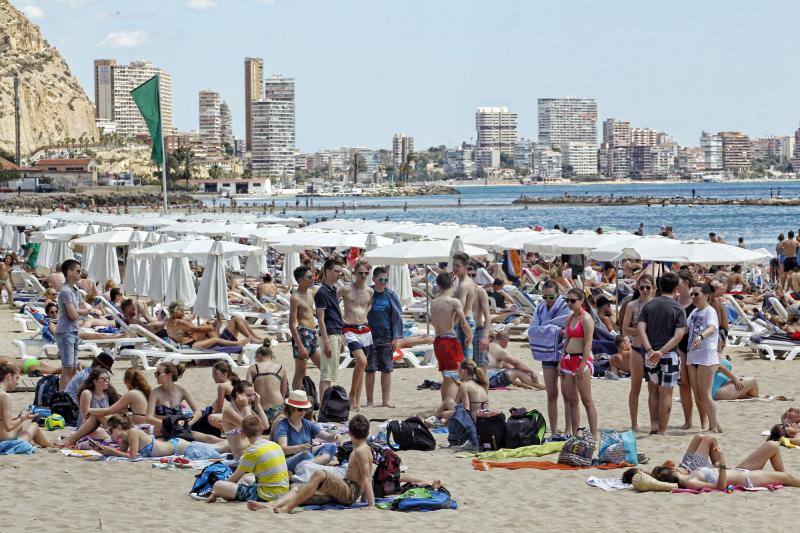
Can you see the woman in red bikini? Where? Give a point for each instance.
(577, 365)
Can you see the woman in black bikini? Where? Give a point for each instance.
(473, 394)
(211, 420)
(269, 379)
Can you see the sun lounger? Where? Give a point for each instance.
(406, 354)
(743, 327)
(775, 343)
(38, 348)
(779, 308)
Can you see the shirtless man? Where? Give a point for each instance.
(446, 310)
(483, 321)
(793, 282)
(505, 369)
(266, 291)
(788, 248)
(55, 280)
(736, 282)
(465, 292)
(357, 300)
(305, 344)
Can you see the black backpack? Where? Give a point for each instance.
(62, 404)
(410, 434)
(524, 428)
(491, 427)
(335, 405)
(46, 387)
(176, 426)
(311, 392)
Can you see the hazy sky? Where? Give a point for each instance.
(368, 68)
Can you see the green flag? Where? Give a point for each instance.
(147, 99)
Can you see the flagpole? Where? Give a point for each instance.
(163, 151)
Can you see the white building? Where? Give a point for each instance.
(458, 161)
(581, 156)
(113, 86)
(226, 124)
(563, 120)
(210, 119)
(487, 158)
(711, 144)
(402, 147)
(523, 154)
(496, 129)
(273, 151)
(546, 163)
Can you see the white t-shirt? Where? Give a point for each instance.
(698, 322)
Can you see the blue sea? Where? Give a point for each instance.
(759, 226)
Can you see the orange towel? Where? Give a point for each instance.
(477, 464)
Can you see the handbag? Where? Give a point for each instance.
(616, 447)
(578, 449)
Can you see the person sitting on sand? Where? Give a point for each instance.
(505, 369)
(262, 458)
(22, 427)
(208, 335)
(73, 387)
(242, 402)
(357, 481)
(269, 380)
(295, 434)
(729, 386)
(473, 395)
(211, 420)
(621, 361)
(96, 392)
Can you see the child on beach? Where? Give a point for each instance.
(357, 481)
(620, 361)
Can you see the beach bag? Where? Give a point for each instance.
(461, 428)
(335, 405)
(46, 387)
(176, 427)
(386, 478)
(410, 434)
(62, 404)
(616, 447)
(311, 392)
(204, 481)
(423, 499)
(491, 426)
(578, 449)
(524, 428)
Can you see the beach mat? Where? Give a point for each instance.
(478, 464)
(737, 488)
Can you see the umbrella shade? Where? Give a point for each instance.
(290, 261)
(400, 280)
(418, 253)
(579, 243)
(700, 252)
(371, 243)
(132, 266)
(256, 265)
(212, 294)
(455, 247)
(517, 239)
(104, 265)
(195, 250)
(212, 229)
(7, 237)
(117, 237)
(181, 283)
(307, 240)
(269, 231)
(159, 278)
(632, 250)
(59, 252)
(67, 232)
(87, 260)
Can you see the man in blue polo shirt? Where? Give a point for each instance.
(329, 317)
(385, 319)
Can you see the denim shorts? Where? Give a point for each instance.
(68, 348)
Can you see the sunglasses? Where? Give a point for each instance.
(383, 280)
(645, 288)
(549, 296)
(572, 300)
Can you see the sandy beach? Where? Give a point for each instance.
(51, 492)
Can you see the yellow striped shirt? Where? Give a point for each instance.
(265, 459)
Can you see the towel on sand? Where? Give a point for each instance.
(534, 450)
(16, 447)
(608, 484)
(477, 464)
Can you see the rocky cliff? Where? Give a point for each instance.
(52, 103)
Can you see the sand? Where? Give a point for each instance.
(50, 492)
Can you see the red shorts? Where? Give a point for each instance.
(571, 361)
(448, 353)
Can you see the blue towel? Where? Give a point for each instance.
(14, 447)
(544, 333)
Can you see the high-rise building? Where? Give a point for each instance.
(458, 161)
(113, 86)
(523, 154)
(253, 91)
(210, 119)
(496, 129)
(564, 120)
(615, 161)
(616, 133)
(796, 152)
(711, 145)
(546, 163)
(273, 150)
(402, 146)
(226, 125)
(787, 148)
(581, 156)
(736, 151)
(691, 159)
(486, 158)
(104, 89)
(644, 137)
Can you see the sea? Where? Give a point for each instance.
(758, 225)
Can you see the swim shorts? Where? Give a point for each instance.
(571, 361)
(309, 339)
(665, 373)
(462, 338)
(692, 461)
(481, 355)
(357, 337)
(498, 378)
(448, 353)
(789, 263)
(380, 358)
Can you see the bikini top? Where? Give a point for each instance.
(259, 374)
(577, 331)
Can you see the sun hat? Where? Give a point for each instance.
(104, 360)
(298, 399)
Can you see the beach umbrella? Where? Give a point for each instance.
(159, 275)
(181, 283)
(17, 241)
(517, 239)
(456, 246)
(59, 252)
(579, 242)
(371, 242)
(195, 250)
(87, 259)
(269, 231)
(256, 265)
(132, 266)
(212, 293)
(104, 264)
(400, 280)
(291, 260)
(7, 237)
(702, 252)
(419, 253)
(233, 264)
(45, 255)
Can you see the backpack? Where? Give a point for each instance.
(46, 387)
(461, 428)
(176, 426)
(335, 405)
(62, 404)
(204, 481)
(524, 428)
(410, 434)
(311, 392)
(386, 478)
(491, 427)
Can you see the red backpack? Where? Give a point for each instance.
(386, 479)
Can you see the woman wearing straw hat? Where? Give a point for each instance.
(295, 434)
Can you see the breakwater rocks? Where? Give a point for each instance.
(651, 200)
(47, 201)
(425, 190)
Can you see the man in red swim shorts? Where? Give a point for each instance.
(445, 311)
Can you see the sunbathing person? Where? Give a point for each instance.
(85, 333)
(20, 427)
(208, 335)
(787, 431)
(473, 395)
(133, 442)
(729, 386)
(505, 369)
(135, 312)
(791, 416)
(133, 402)
(30, 366)
(296, 434)
(96, 392)
(242, 401)
(266, 291)
(269, 380)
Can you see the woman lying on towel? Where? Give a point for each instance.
(703, 453)
(208, 335)
(787, 431)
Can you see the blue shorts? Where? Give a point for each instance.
(247, 493)
(68, 348)
(462, 338)
(452, 374)
(379, 358)
(481, 356)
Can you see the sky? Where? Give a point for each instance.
(366, 69)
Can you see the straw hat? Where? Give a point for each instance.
(646, 483)
(298, 399)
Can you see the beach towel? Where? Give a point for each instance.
(737, 488)
(534, 450)
(544, 333)
(478, 464)
(608, 484)
(16, 447)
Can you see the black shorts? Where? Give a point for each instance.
(789, 263)
(379, 358)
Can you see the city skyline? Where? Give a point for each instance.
(678, 70)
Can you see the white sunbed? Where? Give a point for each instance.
(743, 328)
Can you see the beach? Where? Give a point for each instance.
(50, 492)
